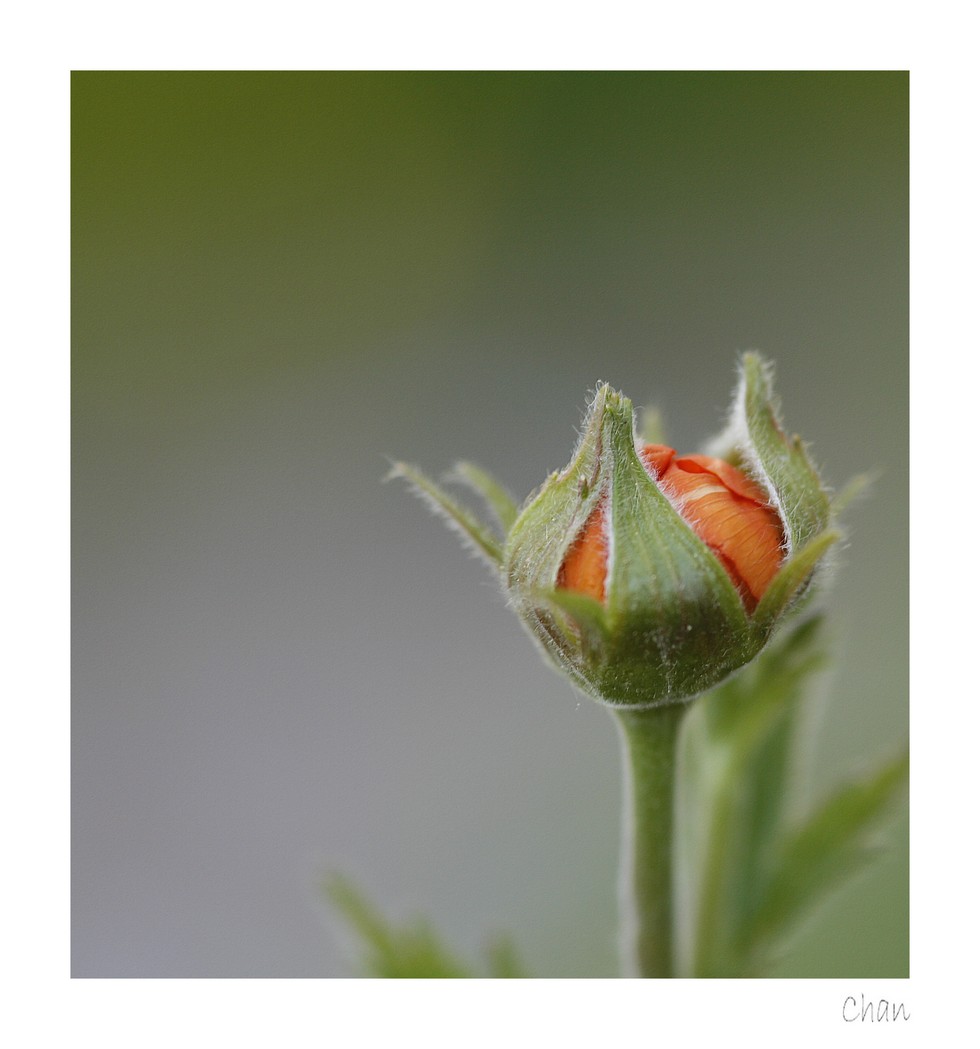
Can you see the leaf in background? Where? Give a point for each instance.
(411, 953)
(734, 786)
(503, 962)
(415, 952)
(834, 843)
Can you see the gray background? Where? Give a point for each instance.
(283, 667)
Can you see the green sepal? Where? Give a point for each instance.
(539, 540)
(791, 579)
(676, 622)
(588, 615)
(474, 534)
(778, 462)
(497, 498)
(552, 519)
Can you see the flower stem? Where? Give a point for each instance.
(649, 737)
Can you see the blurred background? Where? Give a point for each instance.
(283, 667)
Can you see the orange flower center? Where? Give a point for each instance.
(726, 509)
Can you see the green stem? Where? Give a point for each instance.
(649, 743)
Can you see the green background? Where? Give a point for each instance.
(283, 667)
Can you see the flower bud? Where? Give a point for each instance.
(723, 506)
(648, 577)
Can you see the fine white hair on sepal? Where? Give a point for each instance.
(475, 537)
(610, 543)
(736, 437)
(602, 389)
(494, 496)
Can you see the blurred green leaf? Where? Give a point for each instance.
(745, 874)
(391, 952)
(833, 844)
(503, 962)
(414, 952)
(734, 788)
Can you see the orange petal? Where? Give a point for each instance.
(730, 476)
(724, 507)
(585, 564)
(729, 513)
(656, 458)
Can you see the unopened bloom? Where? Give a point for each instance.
(648, 576)
(723, 506)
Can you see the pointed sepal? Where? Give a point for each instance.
(498, 500)
(791, 581)
(476, 536)
(777, 461)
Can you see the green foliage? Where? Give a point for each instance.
(502, 960)
(746, 872)
(413, 952)
(831, 845)
(498, 500)
(474, 534)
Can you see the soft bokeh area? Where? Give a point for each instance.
(283, 667)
